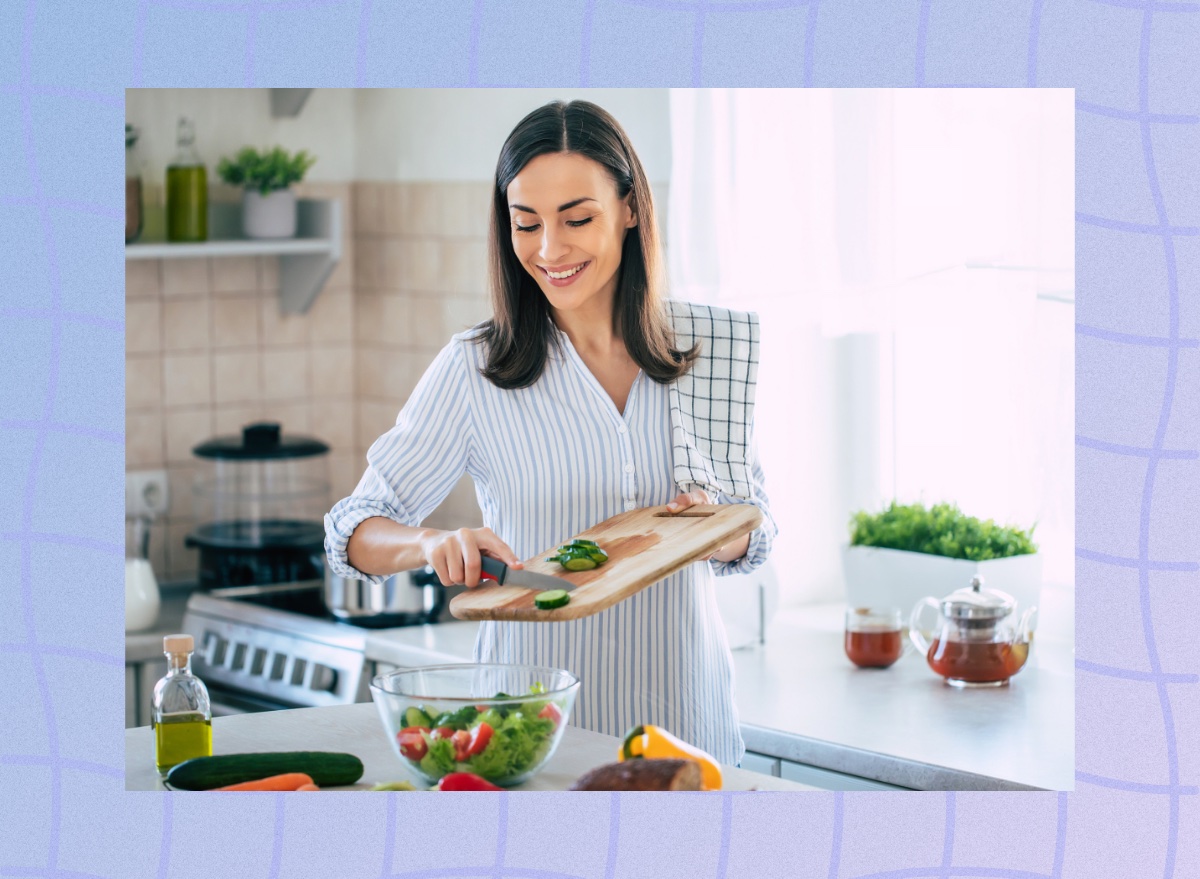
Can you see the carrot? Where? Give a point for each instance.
(286, 781)
(308, 787)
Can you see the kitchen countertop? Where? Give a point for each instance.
(800, 699)
(356, 729)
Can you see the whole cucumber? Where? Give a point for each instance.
(326, 768)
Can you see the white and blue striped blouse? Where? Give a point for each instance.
(549, 461)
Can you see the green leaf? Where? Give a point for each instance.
(266, 172)
(939, 530)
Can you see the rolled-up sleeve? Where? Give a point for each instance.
(413, 467)
(762, 538)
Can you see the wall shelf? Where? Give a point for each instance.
(305, 262)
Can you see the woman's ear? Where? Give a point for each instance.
(633, 217)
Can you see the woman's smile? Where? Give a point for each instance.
(564, 277)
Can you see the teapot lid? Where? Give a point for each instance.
(976, 603)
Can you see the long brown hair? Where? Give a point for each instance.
(521, 330)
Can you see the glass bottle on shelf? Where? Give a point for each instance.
(133, 185)
(181, 712)
(187, 189)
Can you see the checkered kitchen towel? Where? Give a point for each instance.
(712, 407)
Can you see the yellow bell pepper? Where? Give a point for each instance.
(648, 741)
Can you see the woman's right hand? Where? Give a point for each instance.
(455, 555)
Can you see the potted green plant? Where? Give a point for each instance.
(899, 555)
(266, 178)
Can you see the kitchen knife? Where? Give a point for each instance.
(494, 569)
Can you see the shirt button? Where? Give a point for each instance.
(622, 429)
(628, 468)
(630, 505)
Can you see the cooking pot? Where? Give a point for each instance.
(408, 598)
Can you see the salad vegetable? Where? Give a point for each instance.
(498, 743)
(580, 555)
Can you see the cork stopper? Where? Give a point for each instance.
(178, 644)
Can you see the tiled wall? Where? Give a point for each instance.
(208, 351)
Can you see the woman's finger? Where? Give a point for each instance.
(470, 557)
(683, 501)
(497, 548)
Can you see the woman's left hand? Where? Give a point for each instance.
(730, 552)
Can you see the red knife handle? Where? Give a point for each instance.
(492, 569)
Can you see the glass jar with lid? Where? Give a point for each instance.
(260, 502)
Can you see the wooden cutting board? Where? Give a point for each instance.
(643, 547)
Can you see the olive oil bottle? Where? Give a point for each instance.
(182, 714)
(187, 189)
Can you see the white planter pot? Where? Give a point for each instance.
(895, 578)
(269, 216)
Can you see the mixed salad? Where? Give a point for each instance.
(496, 742)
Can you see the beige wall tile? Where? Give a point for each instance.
(143, 326)
(368, 313)
(182, 563)
(235, 321)
(428, 331)
(292, 416)
(187, 379)
(268, 274)
(279, 329)
(181, 479)
(464, 209)
(375, 419)
(460, 313)
(143, 381)
(425, 209)
(234, 274)
(236, 378)
(284, 375)
(370, 378)
(342, 276)
(331, 318)
(333, 371)
(345, 469)
(143, 440)
(229, 420)
(367, 209)
(399, 374)
(186, 324)
(419, 267)
(396, 203)
(143, 278)
(185, 429)
(368, 263)
(464, 263)
(185, 277)
(396, 320)
(333, 421)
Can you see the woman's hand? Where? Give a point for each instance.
(730, 552)
(455, 555)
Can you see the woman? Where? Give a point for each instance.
(584, 395)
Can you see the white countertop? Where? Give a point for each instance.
(356, 729)
(800, 699)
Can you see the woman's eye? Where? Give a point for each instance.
(521, 228)
(579, 222)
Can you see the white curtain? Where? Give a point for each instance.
(909, 253)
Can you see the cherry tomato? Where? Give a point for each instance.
(460, 781)
(480, 736)
(443, 732)
(412, 742)
(552, 711)
(461, 740)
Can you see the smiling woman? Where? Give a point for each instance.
(588, 393)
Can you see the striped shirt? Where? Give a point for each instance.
(548, 462)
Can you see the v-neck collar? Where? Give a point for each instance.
(591, 379)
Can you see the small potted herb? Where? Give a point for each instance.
(268, 201)
(905, 552)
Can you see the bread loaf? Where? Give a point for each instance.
(644, 774)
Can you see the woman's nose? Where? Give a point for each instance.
(553, 246)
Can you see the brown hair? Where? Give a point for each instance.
(520, 332)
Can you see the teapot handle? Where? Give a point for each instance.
(915, 632)
(1027, 624)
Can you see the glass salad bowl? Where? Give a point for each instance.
(500, 722)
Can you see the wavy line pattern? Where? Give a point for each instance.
(846, 825)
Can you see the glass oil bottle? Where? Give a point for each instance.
(182, 714)
(187, 189)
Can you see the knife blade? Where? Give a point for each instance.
(494, 569)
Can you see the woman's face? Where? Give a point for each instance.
(568, 225)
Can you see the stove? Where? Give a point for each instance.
(262, 648)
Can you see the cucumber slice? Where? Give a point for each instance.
(579, 563)
(578, 541)
(599, 556)
(414, 716)
(551, 599)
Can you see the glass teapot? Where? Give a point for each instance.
(975, 643)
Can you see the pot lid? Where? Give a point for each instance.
(262, 441)
(976, 603)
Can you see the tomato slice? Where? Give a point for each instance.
(461, 740)
(443, 732)
(412, 742)
(480, 736)
(552, 711)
